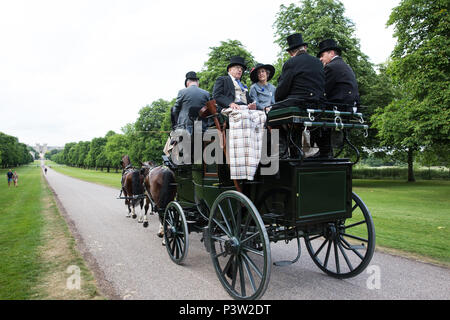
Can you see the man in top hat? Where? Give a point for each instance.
(189, 101)
(340, 80)
(229, 91)
(302, 76)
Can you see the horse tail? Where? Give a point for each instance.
(167, 190)
(136, 185)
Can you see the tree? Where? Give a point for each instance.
(219, 58)
(150, 132)
(96, 147)
(419, 118)
(116, 147)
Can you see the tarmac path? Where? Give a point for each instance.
(132, 263)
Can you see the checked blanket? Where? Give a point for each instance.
(245, 138)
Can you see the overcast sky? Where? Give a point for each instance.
(71, 70)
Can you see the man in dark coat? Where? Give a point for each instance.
(302, 79)
(229, 91)
(189, 101)
(302, 76)
(340, 80)
(340, 87)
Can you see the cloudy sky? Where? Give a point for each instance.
(71, 70)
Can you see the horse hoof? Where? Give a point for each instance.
(134, 216)
(145, 224)
(139, 221)
(160, 235)
(128, 216)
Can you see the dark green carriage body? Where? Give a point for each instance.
(300, 194)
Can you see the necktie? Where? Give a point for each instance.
(240, 84)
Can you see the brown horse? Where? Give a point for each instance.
(132, 187)
(159, 184)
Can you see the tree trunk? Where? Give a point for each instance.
(410, 165)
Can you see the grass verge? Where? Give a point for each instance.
(410, 218)
(36, 247)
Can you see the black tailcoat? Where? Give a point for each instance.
(302, 77)
(340, 82)
(224, 92)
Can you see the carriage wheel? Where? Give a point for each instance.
(176, 233)
(240, 248)
(345, 247)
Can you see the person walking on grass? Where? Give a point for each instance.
(9, 176)
(15, 178)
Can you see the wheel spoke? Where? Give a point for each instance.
(355, 237)
(227, 266)
(353, 249)
(233, 220)
(249, 274)
(354, 207)
(321, 247)
(241, 275)
(336, 257)
(345, 256)
(248, 249)
(222, 227)
(225, 219)
(328, 254)
(354, 224)
(250, 238)
(252, 264)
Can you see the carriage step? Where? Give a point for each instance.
(358, 247)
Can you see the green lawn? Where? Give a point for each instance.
(20, 233)
(36, 246)
(412, 217)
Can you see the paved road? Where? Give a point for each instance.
(137, 266)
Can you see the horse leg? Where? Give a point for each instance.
(145, 225)
(134, 212)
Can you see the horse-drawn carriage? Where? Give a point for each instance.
(309, 198)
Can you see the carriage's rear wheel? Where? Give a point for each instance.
(176, 234)
(240, 248)
(345, 247)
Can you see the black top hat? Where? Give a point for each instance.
(254, 72)
(295, 40)
(191, 75)
(328, 44)
(236, 60)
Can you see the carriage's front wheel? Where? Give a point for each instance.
(345, 247)
(240, 248)
(176, 234)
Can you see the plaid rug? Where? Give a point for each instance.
(245, 138)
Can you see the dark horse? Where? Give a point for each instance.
(159, 184)
(132, 187)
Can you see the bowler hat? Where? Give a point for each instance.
(328, 44)
(191, 75)
(295, 40)
(236, 60)
(254, 72)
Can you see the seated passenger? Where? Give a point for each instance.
(302, 76)
(262, 92)
(189, 101)
(229, 91)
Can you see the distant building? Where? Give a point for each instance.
(42, 149)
